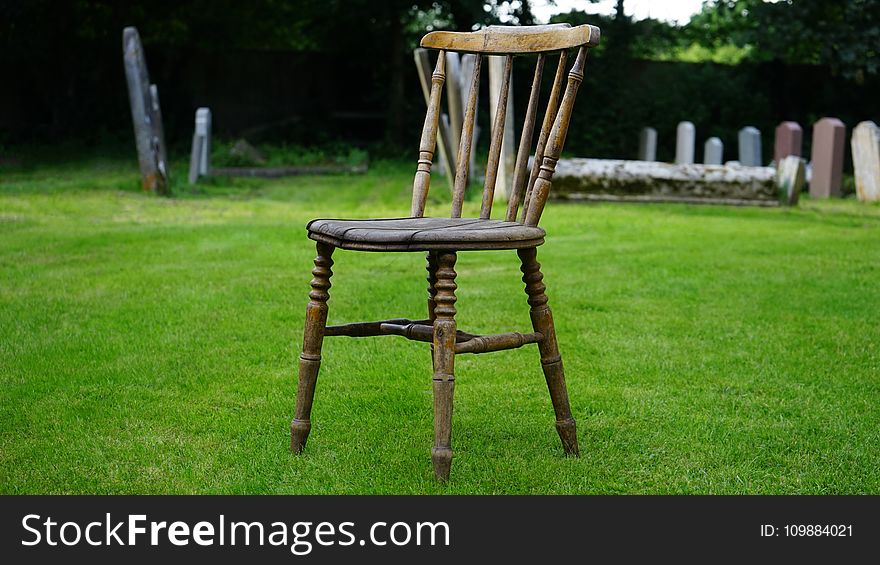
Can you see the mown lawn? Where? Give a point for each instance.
(149, 345)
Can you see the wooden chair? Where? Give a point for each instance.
(442, 238)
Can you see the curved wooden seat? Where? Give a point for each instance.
(425, 234)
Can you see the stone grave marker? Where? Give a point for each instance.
(749, 139)
(790, 179)
(200, 158)
(507, 160)
(648, 144)
(146, 115)
(827, 157)
(788, 141)
(865, 144)
(685, 138)
(713, 151)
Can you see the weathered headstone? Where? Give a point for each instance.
(790, 179)
(827, 157)
(685, 138)
(146, 115)
(444, 157)
(648, 144)
(713, 151)
(508, 155)
(200, 158)
(789, 139)
(865, 144)
(749, 139)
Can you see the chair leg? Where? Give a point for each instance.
(431, 267)
(444, 363)
(551, 360)
(313, 337)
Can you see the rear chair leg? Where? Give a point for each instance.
(313, 337)
(444, 363)
(551, 360)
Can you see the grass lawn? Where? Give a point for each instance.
(149, 345)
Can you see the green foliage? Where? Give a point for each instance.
(148, 345)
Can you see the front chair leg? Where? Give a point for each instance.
(313, 338)
(444, 363)
(551, 360)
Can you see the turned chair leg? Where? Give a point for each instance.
(313, 337)
(444, 363)
(551, 360)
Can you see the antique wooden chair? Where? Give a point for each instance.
(442, 238)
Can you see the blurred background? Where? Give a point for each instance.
(336, 72)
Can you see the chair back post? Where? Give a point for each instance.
(422, 180)
(556, 141)
(532, 187)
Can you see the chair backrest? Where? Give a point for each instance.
(532, 187)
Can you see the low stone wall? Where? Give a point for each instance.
(648, 181)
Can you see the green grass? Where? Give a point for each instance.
(149, 345)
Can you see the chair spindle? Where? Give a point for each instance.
(497, 139)
(464, 145)
(525, 143)
(422, 180)
(555, 141)
(547, 124)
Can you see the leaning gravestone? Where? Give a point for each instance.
(865, 144)
(507, 160)
(827, 158)
(749, 147)
(790, 179)
(713, 151)
(788, 141)
(648, 144)
(200, 159)
(685, 138)
(145, 114)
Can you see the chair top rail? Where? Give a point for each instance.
(512, 40)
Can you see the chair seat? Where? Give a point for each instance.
(425, 234)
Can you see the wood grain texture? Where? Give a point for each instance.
(442, 238)
(555, 142)
(422, 180)
(313, 338)
(464, 145)
(525, 141)
(503, 40)
(497, 139)
(546, 127)
(551, 360)
(422, 234)
(444, 364)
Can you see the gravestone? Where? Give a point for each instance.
(788, 141)
(827, 157)
(444, 158)
(146, 115)
(685, 138)
(648, 144)
(749, 139)
(713, 151)
(507, 160)
(865, 145)
(200, 158)
(790, 179)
